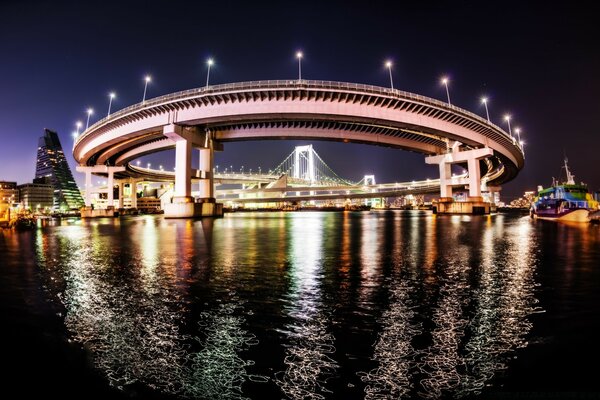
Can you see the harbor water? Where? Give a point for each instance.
(302, 305)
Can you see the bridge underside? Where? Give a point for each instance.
(208, 117)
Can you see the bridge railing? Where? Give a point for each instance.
(298, 84)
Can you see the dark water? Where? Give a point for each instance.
(302, 306)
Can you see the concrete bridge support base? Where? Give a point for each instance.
(184, 208)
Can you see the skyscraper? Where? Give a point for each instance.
(52, 167)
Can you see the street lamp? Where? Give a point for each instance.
(138, 163)
(484, 100)
(90, 111)
(209, 62)
(78, 124)
(445, 81)
(148, 166)
(389, 64)
(111, 96)
(147, 79)
(518, 131)
(299, 56)
(507, 119)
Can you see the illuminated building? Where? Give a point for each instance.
(52, 165)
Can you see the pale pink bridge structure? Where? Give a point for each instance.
(207, 117)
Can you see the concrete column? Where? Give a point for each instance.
(111, 185)
(474, 178)
(88, 188)
(121, 187)
(133, 194)
(183, 168)
(206, 186)
(445, 179)
(492, 191)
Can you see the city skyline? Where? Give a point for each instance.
(520, 81)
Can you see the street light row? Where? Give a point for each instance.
(299, 55)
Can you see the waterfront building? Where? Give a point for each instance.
(52, 165)
(37, 197)
(9, 194)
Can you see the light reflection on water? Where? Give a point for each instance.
(179, 306)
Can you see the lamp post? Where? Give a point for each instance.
(90, 111)
(111, 96)
(445, 81)
(299, 56)
(484, 100)
(507, 119)
(147, 79)
(78, 125)
(209, 62)
(518, 132)
(389, 64)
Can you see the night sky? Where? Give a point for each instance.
(537, 61)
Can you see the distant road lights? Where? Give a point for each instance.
(388, 65)
(74, 134)
(445, 82)
(138, 163)
(507, 119)
(111, 96)
(78, 125)
(89, 111)
(484, 100)
(299, 56)
(148, 165)
(209, 62)
(147, 79)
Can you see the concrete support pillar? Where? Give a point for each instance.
(111, 186)
(100, 170)
(206, 186)
(183, 205)
(474, 178)
(88, 188)
(492, 190)
(445, 179)
(133, 192)
(121, 188)
(455, 156)
(183, 169)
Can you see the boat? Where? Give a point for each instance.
(23, 222)
(568, 201)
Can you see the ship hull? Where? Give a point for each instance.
(580, 215)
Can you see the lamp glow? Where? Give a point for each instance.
(389, 64)
(445, 81)
(484, 100)
(147, 80)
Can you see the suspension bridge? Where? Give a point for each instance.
(303, 176)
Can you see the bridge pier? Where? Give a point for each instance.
(87, 211)
(183, 204)
(474, 203)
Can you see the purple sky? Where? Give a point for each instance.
(538, 62)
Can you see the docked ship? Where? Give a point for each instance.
(568, 201)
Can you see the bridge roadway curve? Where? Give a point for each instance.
(293, 109)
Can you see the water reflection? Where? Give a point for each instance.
(434, 306)
(310, 344)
